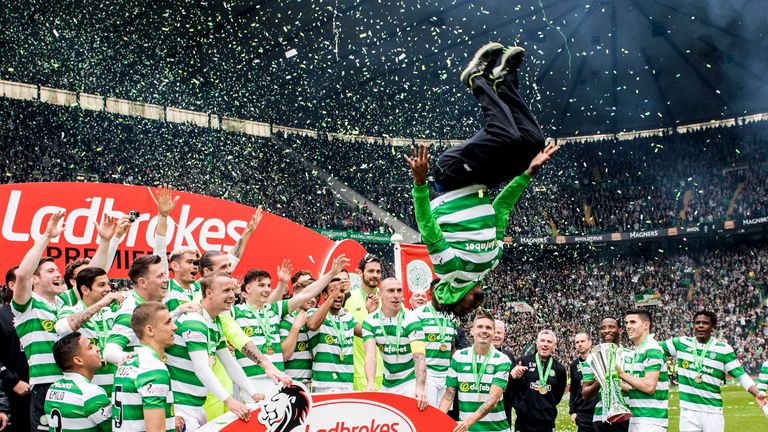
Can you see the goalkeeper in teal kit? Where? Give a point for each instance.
(462, 229)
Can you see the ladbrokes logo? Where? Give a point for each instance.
(291, 409)
(188, 231)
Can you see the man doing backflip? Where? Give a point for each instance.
(461, 228)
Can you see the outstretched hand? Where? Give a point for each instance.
(254, 222)
(541, 159)
(285, 271)
(165, 200)
(107, 228)
(52, 230)
(339, 264)
(419, 164)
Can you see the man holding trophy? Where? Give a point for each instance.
(600, 377)
(703, 363)
(646, 376)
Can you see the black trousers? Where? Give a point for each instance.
(612, 427)
(584, 422)
(19, 412)
(37, 407)
(526, 425)
(498, 152)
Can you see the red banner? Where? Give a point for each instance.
(197, 221)
(415, 269)
(294, 409)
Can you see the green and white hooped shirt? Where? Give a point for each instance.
(332, 349)
(97, 330)
(299, 366)
(35, 323)
(74, 404)
(649, 409)
(263, 327)
(472, 376)
(439, 336)
(702, 369)
(142, 383)
(393, 336)
(194, 332)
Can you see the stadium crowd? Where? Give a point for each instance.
(573, 294)
(628, 185)
(702, 176)
(77, 145)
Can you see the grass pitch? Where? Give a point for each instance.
(741, 412)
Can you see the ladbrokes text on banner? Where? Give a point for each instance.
(294, 409)
(197, 222)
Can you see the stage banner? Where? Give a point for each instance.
(294, 409)
(415, 270)
(197, 222)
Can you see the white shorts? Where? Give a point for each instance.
(697, 421)
(194, 417)
(405, 389)
(435, 393)
(644, 427)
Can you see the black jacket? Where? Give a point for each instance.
(529, 404)
(13, 362)
(509, 393)
(577, 404)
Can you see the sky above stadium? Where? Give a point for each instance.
(391, 67)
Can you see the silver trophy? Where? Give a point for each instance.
(603, 360)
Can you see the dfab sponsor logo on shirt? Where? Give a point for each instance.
(467, 387)
(389, 349)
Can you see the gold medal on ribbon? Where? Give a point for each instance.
(443, 347)
(698, 378)
(270, 351)
(341, 356)
(543, 390)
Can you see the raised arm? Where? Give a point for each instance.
(237, 251)
(122, 227)
(508, 197)
(165, 204)
(313, 289)
(288, 344)
(106, 231)
(419, 164)
(23, 290)
(284, 272)
(315, 321)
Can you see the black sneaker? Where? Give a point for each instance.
(510, 63)
(482, 63)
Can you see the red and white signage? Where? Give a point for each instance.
(197, 222)
(416, 271)
(293, 409)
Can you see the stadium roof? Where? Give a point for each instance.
(391, 67)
